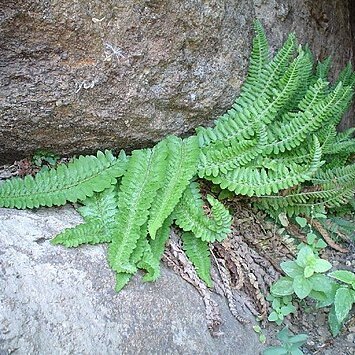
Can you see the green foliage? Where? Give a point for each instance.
(79, 179)
(42, 157)
(190, 216)
(304, 275)
(306, 278)
(344, 299)
(281, 307)
(289, 344)
(99, 215)
(198, 252)
(182, 160)
(278, 143)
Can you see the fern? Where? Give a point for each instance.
(99, 213)
(322, 69)
(182, 160)
(260, 181)
(331, 189)
(68, 183)
(278, 144)
(216, 160)
(144, 177)
(157, 246)
(198, 252)
(190, 216)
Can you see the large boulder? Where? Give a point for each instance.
(77, 76)
(55, 300)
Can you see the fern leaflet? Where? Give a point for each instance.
(198, 252)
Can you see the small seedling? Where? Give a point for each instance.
(281, 307)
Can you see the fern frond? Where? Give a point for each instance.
(322, 69)
(198, 252)
(219, 158)
(340, 176)
(182, 161)
(296, 127)
(240, 122)
(85, 233)
(346, 76)
(122, 279)
(332, 189)
(257, 102)
(75, 181)
(99, 213)
(143, 178)
(259, 181)
(269, 75)
(189, 216)
(157, 244)
(259, 58)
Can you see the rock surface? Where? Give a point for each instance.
(61, 301)
(77, 76)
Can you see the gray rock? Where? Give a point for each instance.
(86, 75)
(61, 301)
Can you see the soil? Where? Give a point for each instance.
(249, 260)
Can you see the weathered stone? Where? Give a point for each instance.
(77, 76)
(62, 301)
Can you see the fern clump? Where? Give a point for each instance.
(278, 144)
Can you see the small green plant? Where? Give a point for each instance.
(312, 239)
(281, 307)
(304, 275)
(258, 330)
(306, 278)
(344, 299)
(41, 157)
(290, 344)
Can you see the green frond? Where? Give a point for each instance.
(251, 181)
(260, 99)
(151, 251)
(269, 76)
(157, 244)
(340, 176)
(304, 81)
(259, 57)
(326, 135)
(315, 94)
(190, 216)
(198, 252)
(181, 167)
(219, 158)
(99, 213)
(122, 279)
(143, 178)
(75, 181)
(150, 264)
(322, 69)
(85, 233)
(346, 76)
(296, 127)
(331, 189)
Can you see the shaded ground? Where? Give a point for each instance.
(245, 265)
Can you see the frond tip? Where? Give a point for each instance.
(190, 216)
